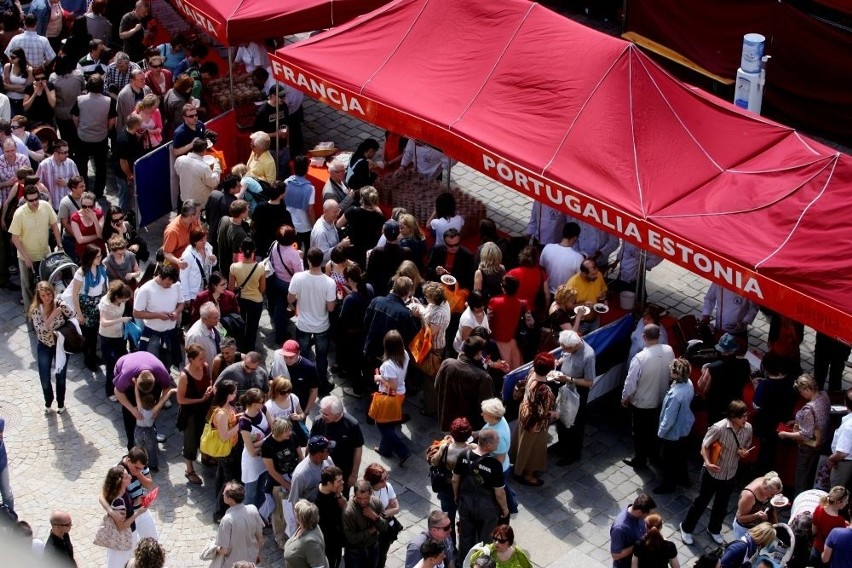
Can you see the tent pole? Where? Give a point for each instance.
(231, 76)
(624, 16)
(277, 126)
(639, 303)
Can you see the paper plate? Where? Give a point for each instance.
(779, 501)
(448, 279)
(601, 308)
(581, 310)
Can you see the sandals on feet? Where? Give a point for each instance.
(193, 478)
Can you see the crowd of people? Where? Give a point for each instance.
(372, 302)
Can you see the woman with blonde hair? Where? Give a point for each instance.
(364, 224)
(282, 403)
(809, 430)
(753, 506)
(827, 516)
(653, 550)
(435, 314)
(676, 420)
(561, 311)
(741, 551)
(151, 129)
(48, 313)
(489, 275)
(411, 237)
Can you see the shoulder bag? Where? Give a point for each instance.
(110, 537)
(300, 431)
(386, 407)
(239, 289)
(439, 475)
(212, 444)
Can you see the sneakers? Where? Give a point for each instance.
(112, 398)
(48, 409)
(60, 410)
(685, 537)
(717, 538)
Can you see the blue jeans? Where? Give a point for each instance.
(158, 343)
(448, 505)
(6, 489)
(126, 194)
(112, 349)
(321, 348)
(391, 442)
(254, 491)
(367, 557)
(278, 307)
(45, 356)
(511, 499)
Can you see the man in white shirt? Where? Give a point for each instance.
(644, 390)
(159, 304)
(559, 260)
(324, 234)
(427, 161)
(840, 460)
(197, 178)
(204, 332)
(317, 296)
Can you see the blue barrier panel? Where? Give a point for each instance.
(153, 186)
(601, 340)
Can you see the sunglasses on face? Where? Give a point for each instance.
(32, 200)
(152, 66)
(86, 206)
(501, 540)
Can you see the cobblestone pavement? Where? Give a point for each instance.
(59, 461)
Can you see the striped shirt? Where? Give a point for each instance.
(49, 171)
(723, 431)
(9, 172)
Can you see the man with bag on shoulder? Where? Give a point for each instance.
(717, 476)
(479, 490)
(577, 366)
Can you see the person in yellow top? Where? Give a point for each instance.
(261, 164)
(30, 229)
(591, 288)
(248, 281)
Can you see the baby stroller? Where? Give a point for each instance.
(777, 553)
(57, 269)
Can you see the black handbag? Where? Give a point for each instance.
(439, 475)
(394, 528)
(300, 430)
(73, 338)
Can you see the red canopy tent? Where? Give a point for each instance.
(233, 22)
(587, 123)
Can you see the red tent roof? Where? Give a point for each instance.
(233, 22)
(589, 124)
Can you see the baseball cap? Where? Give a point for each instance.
(391, 229)
(319, 444)
(290, 348)
(727, 344)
